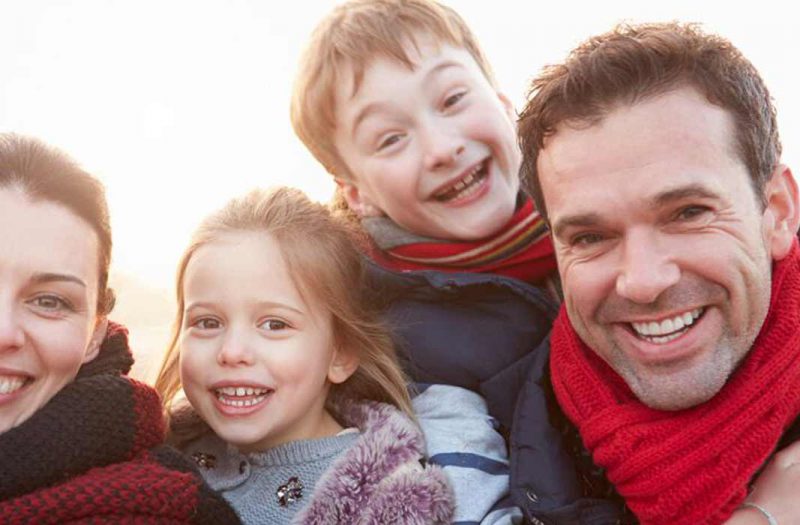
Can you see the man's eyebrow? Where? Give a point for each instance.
(438, 68)
(684, 192)
(50, 277)
(575, 221)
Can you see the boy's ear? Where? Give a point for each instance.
(782, 212)
(343, 365)
(508, 106)
(98, 336)
(357, 200)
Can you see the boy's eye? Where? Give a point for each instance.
(273, 325)
(51, 303)
(389, 141)
(206, 323)
(453, 99)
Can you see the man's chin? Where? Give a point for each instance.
(671, 395)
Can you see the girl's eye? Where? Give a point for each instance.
(273, 325)
(389, 141)
(206, 323)
(453, 99)
(51, 303)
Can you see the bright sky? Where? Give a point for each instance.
(179, 105)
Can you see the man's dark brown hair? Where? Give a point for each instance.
(634, 62)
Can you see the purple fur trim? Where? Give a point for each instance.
(380, 479)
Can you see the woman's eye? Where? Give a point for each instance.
(453, 99)
(274, 325)
(51, 302)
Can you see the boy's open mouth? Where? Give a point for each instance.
(665, 330)
(241, 396)
(466, 185)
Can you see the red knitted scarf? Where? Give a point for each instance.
(521, 249)
(691, 466)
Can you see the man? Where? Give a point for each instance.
(653, 153)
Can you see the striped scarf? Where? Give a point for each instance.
(521, 249)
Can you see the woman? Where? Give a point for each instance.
(79, 439)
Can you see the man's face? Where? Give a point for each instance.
(663, 248)
(432, 147)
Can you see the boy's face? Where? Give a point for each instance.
(433, 148)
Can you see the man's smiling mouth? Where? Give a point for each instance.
(668, 329)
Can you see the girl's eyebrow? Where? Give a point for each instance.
(259, 304)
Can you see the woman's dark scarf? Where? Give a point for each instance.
(691, 466)
(94, 453)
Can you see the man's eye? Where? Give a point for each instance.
(691, 212)
(586, 239)
(274, 325)
(453, 99)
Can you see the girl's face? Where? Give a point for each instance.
(256, 360)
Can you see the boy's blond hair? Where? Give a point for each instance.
(352, 35)
(321, 253)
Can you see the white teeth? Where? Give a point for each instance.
(240, 391)
(11, 384)
(668, 329)
(465, 186)
(242, 402)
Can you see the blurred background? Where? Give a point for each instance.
(179, 105)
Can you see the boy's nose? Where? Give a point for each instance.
(441, 148)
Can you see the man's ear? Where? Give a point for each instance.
(508, 107)
(782, 213)
(343, 365)
(358, 201)
(98, 336)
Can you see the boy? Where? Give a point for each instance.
(396, 100)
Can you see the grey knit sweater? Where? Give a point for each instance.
(254, 483)
(375, 477)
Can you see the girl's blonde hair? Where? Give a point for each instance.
(321, 252)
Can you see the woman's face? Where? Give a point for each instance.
(48, 302)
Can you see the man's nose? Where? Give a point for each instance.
(646, 269)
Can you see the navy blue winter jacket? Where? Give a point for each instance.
(489, 333)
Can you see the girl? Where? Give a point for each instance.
(303, 411)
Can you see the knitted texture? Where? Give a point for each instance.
(93, 454)
(521, 249)
(691, 466)
(250, 481)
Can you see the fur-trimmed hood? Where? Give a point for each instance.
(383, 478)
